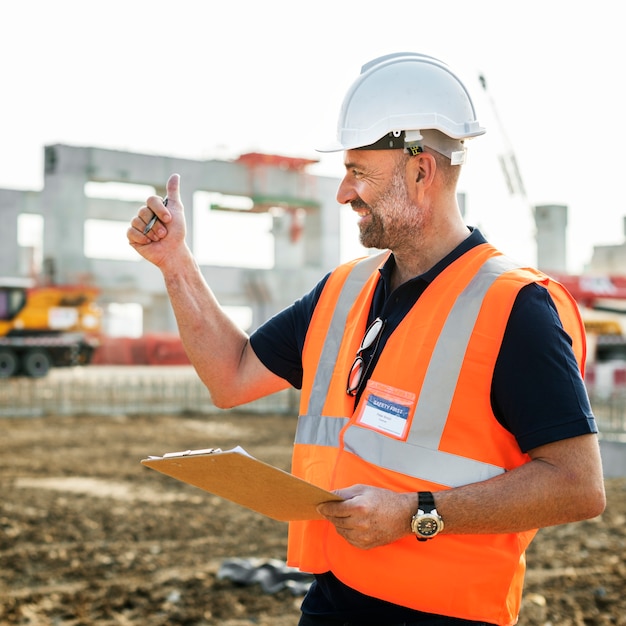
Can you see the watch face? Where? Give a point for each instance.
(428, 525)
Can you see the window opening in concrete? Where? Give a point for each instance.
(123, 319)
(106, 239)
(118, 191)
(30, 239)
(241, 315)
(228, 233)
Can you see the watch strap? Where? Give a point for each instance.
(425, 501)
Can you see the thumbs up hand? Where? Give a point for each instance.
(158, 230)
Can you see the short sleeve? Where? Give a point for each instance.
(537, 392)
(279, 342)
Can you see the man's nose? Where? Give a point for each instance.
(346, 192)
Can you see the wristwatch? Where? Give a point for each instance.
(426, 523)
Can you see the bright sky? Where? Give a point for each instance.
(216, 79)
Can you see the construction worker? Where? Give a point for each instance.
(442, 394)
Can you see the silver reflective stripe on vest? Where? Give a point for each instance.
(435, 399)
(419, 457)
(349, 292)
(320, 430)
(434, 466)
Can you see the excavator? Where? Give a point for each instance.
(45, 326)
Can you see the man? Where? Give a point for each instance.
(442, 394)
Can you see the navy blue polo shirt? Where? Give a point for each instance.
(537, 392)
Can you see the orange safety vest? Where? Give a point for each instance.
(437, 367)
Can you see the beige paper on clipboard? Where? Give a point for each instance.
(240, 478)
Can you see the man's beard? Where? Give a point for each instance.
(392, 218)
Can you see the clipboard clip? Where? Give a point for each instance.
(174, 455)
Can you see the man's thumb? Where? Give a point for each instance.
(173, 188)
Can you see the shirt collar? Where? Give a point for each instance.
(475, 238)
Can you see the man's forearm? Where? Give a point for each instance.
(213, 342)
(563, 486)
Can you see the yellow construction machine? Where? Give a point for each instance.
(46, 326)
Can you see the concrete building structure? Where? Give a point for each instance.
(305, 217)
(610, 259)
(551, 225)
(551, 236)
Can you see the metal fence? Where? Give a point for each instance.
(610, 412)
(102, 390)
(159, 390)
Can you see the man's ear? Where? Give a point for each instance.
(422, 169)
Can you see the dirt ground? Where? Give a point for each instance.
(89, 536)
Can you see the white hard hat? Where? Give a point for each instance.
(398, 95)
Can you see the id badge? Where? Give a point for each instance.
(386, 409)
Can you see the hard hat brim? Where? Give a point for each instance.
(335, 146)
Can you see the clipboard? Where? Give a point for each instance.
(239, 477)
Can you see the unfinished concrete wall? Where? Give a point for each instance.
(301, 258)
